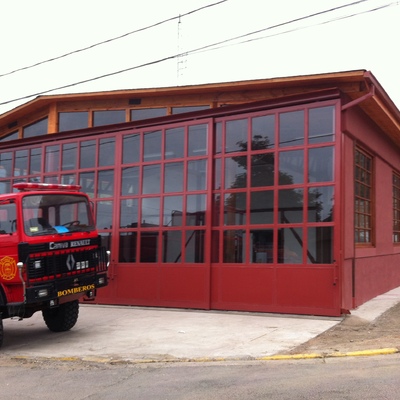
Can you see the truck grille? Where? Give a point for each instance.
(51, 265)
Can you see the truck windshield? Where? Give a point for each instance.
(47, 214)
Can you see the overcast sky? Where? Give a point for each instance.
(291, 41)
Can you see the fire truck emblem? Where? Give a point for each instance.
(70, 262)
(8, 268)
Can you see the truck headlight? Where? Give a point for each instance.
(43, 293)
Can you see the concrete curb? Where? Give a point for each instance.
(282, 357)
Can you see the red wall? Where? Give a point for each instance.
(373, 270)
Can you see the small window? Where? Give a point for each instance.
(185, 109)
(363, 198)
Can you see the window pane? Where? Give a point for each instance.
(130, 181)
(262, 207)
(21, 163)
(150, 212)
(197, 175)
(174, 143)
(290, 246)
(217, 173)
(131, 149)
(152, 146)
(290, 206)
(194, 246)
(86, 180)
(320, 204)
(151, 179)
(321, 124)
(262, 170)
(235, 209)
(197, 140)
(68, 121)
(105, 183)
(36, 129)
(6, 164)
(69, 156)
(291, 167)
(88, 154)
(52, 158)
(263, 132)
(172, 247)
(173, 179)
(261, 244)
(36, 161)
(236, 136)
(104, 214)
(129, 213)
(236, 172)
(108, 117)
(291, 128)
(320, 164)
(144, 113)
(149, 247)
(127, 247)
(234, 246)
(173, 211)
(320, 245)
(107, 152)
(196, 210)
(68, 179)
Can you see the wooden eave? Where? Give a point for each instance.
(353, 84)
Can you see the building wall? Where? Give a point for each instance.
(372, 269)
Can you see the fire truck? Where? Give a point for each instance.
(51, 256)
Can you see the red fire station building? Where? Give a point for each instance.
(276, 195)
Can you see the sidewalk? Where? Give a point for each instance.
(133, 334)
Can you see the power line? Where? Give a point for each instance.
(111, 39)
(208, 47)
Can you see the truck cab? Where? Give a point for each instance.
(50, 254)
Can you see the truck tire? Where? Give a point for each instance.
(62, 318)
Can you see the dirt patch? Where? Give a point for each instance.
(357, 334)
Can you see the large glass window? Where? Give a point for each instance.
(150, 212)
(263, 132)
(145, 113)
(36, 129)
(172, 247)
(235, 172)
(131, 149)
(21, 163)
(130, 181)
(69, 156)
(196, 210)
(174, 177)
(197, 175)
(291, 128)
(174, 143)
(235, 209)
(129, 217)
(262, 207)
(68, 121)
(52, 158)
(152, 146)
(107, 152)
(321, 124)
(197, 140)
(87, 154)
(173, 211)
(236, 135)
(291, 167)
(194, 246)
(108, 117)
(320, 164)
(363, 198)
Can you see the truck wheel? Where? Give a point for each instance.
(62, 318)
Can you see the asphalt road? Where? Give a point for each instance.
(346, 378)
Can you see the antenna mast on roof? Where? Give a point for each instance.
(182, 55)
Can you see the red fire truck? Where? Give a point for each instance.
(50, 254)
